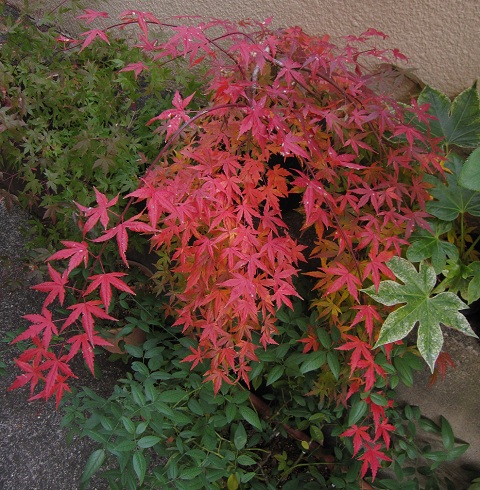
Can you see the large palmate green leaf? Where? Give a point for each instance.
(470, 174)
(458, 122)
(427, 244)
(451, 199)
(420, 307)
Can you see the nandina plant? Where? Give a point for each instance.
(287, 115)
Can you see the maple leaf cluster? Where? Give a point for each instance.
(211, 203)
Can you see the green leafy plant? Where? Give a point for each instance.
(163, 426)
(71, 120)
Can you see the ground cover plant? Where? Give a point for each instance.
(283, 128)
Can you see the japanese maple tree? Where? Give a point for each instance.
(284, 114)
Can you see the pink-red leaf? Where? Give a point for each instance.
(91, 35)
(87, 310)
(90, 15)
(54, 288)
(76, 251)
(105, 282)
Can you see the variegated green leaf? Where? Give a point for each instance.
(420, 307)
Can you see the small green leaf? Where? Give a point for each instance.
(357, 411)
(456, 452)
(448, 438)
(429, 426)
(250, 416)
(333, 363)
(240, 437)
(172, 396)
(195, 407)
(125, 445)
(378, 399)
(230, 412)
(148, 441)
(274, 374)
(245, 460)
(129, 425)
(232, 482)
(317, 434)
(139, 466)
(94, 462)
(473, 291)
(314, 360)
(138, 396)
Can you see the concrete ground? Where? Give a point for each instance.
(457, 398)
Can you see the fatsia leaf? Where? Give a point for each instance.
(420, 307)
(451, 199)
(470, 173)
(458, 121)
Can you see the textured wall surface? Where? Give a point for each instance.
(441, 38)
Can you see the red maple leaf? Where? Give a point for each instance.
(367, 314)
(195, 357)
(346, 279)
(383, 430)
(217, 377)
(77, 252)
(360, 436)
(136, 67)
(98, 213)
(55, 288)
(40, 323)
(90, 15)
(32, 374)
(176, 116)
(361, 350)
(121, 235)
(55, 366)
(91, 35)
(88, 310)
(310, 341)
(372, 457)
(105, 282)
(83, 340)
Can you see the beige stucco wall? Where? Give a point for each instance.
(440, 37)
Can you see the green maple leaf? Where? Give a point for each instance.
(421, 307)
